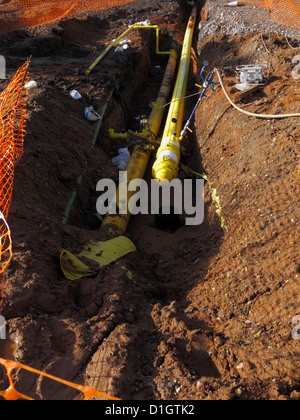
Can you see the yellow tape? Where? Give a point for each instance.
(101, 253)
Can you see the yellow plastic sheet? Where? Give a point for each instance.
(102, 253)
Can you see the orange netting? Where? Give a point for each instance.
(12, 394)
(12, 127)
(17, 14)
(286, 12)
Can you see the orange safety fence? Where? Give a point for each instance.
(19, 14)
(11, 393)
(286, 12)
(12, 128)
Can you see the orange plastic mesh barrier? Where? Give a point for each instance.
(17, 14)
(12, 127)
(12, 394)
(286, 12)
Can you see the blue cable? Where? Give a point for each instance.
(208, 82)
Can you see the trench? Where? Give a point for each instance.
(163, 260)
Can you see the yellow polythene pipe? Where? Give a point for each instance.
(121, 37)
(114, 135)
(117, 224)
(115, 42)
(168, 155)
(114, 226)
(157, 113)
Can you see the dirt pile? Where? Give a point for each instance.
(199, 314)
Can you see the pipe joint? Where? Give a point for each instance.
(165, 168)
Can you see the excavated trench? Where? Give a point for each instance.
(201, 313)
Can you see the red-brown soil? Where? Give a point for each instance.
(207, 313)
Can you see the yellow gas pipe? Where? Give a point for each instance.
(168, 155)
(116, 225)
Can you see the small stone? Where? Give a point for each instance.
(258, 334)
(239, 391)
